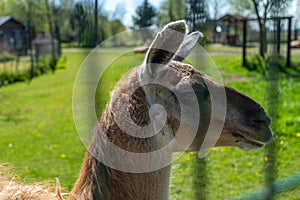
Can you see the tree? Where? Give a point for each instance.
(63, 10)
(78, 21)
(297, 20)
(19, 10)
(119, 13)
(261, 10)
(145, 15)
(196, 14)
(49, 11)
(171, 10)
(116, 27)
(96, 23)
(216, 10)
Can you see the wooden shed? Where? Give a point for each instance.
(44, 44)
(12, 36)
(231, 25)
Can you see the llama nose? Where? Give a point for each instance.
(261, 120)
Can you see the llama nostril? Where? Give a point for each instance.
(261, 119)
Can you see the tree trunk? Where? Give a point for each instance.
(263, 39)
(49, 16)
(96, 23)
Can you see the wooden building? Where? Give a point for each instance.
(12, 36)
(232, 25)
(44, 44)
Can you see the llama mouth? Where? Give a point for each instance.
(247, 144)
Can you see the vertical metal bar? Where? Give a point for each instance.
(272, 99)
(271, 149)
(244, 42)
(288, 56)
(200, 179)
(278, 36)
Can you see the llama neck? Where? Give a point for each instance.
(100, 182)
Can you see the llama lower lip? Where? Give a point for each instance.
(246, 143)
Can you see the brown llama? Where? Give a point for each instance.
(156, 95)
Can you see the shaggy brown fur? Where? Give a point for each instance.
(97, 181)
(12, 190)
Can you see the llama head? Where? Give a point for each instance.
(180, 99)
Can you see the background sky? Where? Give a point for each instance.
(129, 7)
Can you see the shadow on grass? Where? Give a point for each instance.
(261, 65)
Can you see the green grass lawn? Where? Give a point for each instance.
(39, 139)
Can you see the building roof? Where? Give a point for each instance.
(235, 17)
(42, 38)
(4, 19)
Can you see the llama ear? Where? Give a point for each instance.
(188, 45)
(165, 46)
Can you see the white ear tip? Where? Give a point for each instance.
(177, 26)
(200, 35)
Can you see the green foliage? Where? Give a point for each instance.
(79, 21)
(242, 6)
(171, 10)
(45, 65)
(62, 62)
(69, 45)
(73, 19)
(262, 64)
(261, 10)
(26, 10)
(83, 25)
(116, 27)
(12, 77)
(62, 15)
(145, 15)
(4, 57)
(247, 7)
(256, 62)
(196, 14)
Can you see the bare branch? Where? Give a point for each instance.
(256, 4)
(266, 8)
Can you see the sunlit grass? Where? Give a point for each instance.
(12, 66)
(38, 135)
